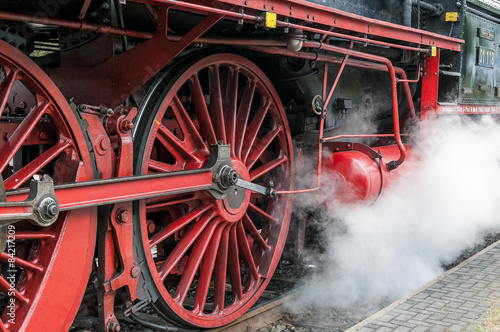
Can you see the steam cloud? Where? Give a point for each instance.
(443, 205)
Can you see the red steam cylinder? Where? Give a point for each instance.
(360, 178)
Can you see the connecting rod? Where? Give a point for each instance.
(43, 201)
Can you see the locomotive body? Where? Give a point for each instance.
(166, 135)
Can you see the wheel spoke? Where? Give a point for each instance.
(220, 272)
(262, 146)
(25, 235)
(6, 289)
(10, 148)
(258, 172)
(200, 106)
(194, 261)
(175, 146)
(264, 214)
(231, 104)
(254, 233)
(233, 263)
(216, 106)
(162, 167)
(25, 173)
(190, 132)
(177, 225)
(242, 117)
(183, 245)
(4, 257)
(246, 252)
(207, 268)
(253, 129)
(6, 88)
(162, 203)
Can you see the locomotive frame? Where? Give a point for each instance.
(189, 191)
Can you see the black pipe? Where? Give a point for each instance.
(407, 12)
(434, 10)
(150, 325)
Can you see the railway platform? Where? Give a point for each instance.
(458, 300)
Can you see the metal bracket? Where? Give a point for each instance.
(256, 188)
(136, 307)
(41, 206)
(346, 146)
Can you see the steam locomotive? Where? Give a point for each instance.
(148, 148)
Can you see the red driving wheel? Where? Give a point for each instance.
(43, 271)
(207, 260)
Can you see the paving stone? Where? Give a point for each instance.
(439, 328)
(404, 317)
(458, 302)
(455, 328)
(420, 329)
(402, 329)
(365, 329)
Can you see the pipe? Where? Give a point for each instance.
(337, 60)
(78, 25)
(392, 73)
(181, 5)
(434, 10)
(407, 8)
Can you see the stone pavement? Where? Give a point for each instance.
(458, 300)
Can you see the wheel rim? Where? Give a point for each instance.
(195, 245)
(40, 135)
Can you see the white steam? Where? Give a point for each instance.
(442, 205)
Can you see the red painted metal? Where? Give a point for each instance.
(202, 232)
(430, 84)
(120, 268)
(338, 60)
(73, 24)
(104, 83)
(312, 13)
(84, 9)
(356, 177)
(318, 14)
(55, 261)
(104, 155)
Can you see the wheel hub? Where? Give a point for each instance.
(234, 205)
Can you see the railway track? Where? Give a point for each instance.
(260, 316)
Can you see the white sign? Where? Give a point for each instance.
(492, 3)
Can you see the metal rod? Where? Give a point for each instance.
(322, 124)
(102, 192)
(341, 70)
(360, 136)
(301, 191)
(395, 110)
(256, 19)
(72, 24)
(351, 62)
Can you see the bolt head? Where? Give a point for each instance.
(104, 143)
(122, 216)
(151, 226)
(126, 125)
(113, 326)
(135, 271)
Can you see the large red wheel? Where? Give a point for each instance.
(208, 260)
(39, 134)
